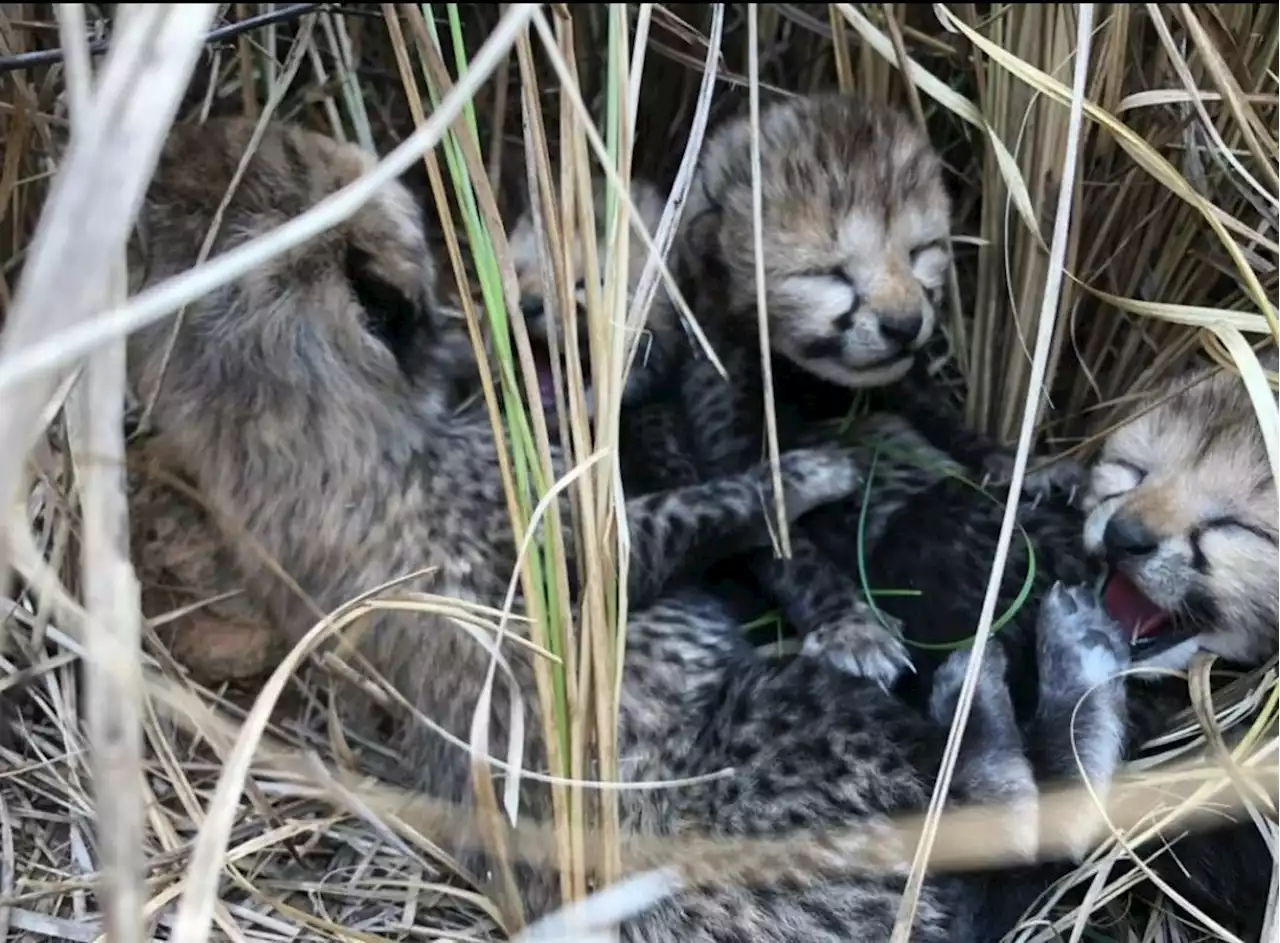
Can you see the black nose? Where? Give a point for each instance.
(902, 329)
(1127, 537)
(531, 307)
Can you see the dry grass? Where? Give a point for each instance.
(1100, 269)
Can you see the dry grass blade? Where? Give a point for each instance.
(762, 315)
(572, 95)
(671, 214)
(62, 347)
(93, 202)
(199, 897)
(119, 132)
(1143, 154)
(112, 600)
(968, 836)
(1171, 256)
(1048, 311)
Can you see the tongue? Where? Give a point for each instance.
(1128, 606)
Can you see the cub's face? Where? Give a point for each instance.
(1182, 503)
(539, 305)
(855, 232)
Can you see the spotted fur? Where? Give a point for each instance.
(310, 413)
(1182, 501)
(681, 426)
(855, 231)
(926, 528)
(310, 404)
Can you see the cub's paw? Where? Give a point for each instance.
(1080, 645)
(861, 644)
(949, 679)
(814, 477)
(993, 767)
(1062, 478)
(1083, 653)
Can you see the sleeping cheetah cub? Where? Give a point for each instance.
(855, 232)
(1182, 506)
(855, 229)
(1182, 503)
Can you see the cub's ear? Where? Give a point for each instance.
(390, 315)
(697, 253)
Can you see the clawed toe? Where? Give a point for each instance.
(863, 649)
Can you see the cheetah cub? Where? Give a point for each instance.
(855, 231)
(656, 444)
(1181, 506)
(1181, 503)
(655, 358)
(1176, 521)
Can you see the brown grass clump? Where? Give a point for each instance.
(128, 804)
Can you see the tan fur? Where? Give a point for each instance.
(181, 555)
(176, 546)
(660, 328)
(291, 172)
(525, 253)
(312, 406)
(182, 562)
(1194, 474)
(855, 231)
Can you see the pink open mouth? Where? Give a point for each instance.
(546, 379)
(1139, 616)
(1152, 630)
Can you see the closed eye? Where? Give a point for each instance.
(1135, 475)
(1136, 470)
(1231, 523)
(833, 273)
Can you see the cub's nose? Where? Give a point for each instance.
(902, 329)
(1127, 537)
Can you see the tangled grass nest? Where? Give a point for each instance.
(1115, 168)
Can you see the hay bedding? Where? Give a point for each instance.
(302, 865)
(299, 866)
